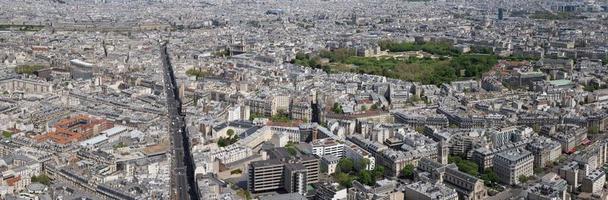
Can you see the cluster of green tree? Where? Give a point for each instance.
(464, 165)
(366, 62)
(344, 179)
(437, 48)
(21, 27)
(310, 61)
(408, 171)
(338, 55)
(43, 178)
(236, 171)
(305, 60)
(482, 50)
(337, 108)
(28, 69)
(473, 65)
(346, 172)
(198, 73)
(221, 53)
(556, 16)
(518, 13)
(7, 134)
(425, 70)
(369, 177)
(594, 129)
(280, 117)
(254, 23)
(561, 159)
(244, 194)
(225, 141)
(489, 178)
(291, 148)
(120, 145)
(523, 179)
(252, 116)
(593, 87)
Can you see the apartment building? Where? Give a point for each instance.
(512, 164)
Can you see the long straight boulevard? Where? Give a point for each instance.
(183, 184)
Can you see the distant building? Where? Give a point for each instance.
(570, 173)
(330, 191)
(81, 70)
(290, 196)
(594, 181)
(524, 78)
(383, 189)
(301, 110)
(511, 165)
(330, 147)
(260, 106)
(544, 150)
(283, 171)
(418, 120)
(327, 147)
(329, 163)
(75, 129)
(25, 86)
(275, 12)
(429, 191)
(484, 157)
(492, 83)
(468, 187)
(210, 187)
(554, 188)
(568, 135)
(501, 14)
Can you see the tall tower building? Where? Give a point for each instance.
(182, 91)
(318, 109)
(442, 155)
(501, 13)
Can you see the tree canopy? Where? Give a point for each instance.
(451, 66)
(465, 166)
(230, 139)
(408, 171)
(346, 165)
(43, 178)
(7, 134)
(489, 177)
(337, 108)
(28, 69)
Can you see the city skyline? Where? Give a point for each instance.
(304, 99)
